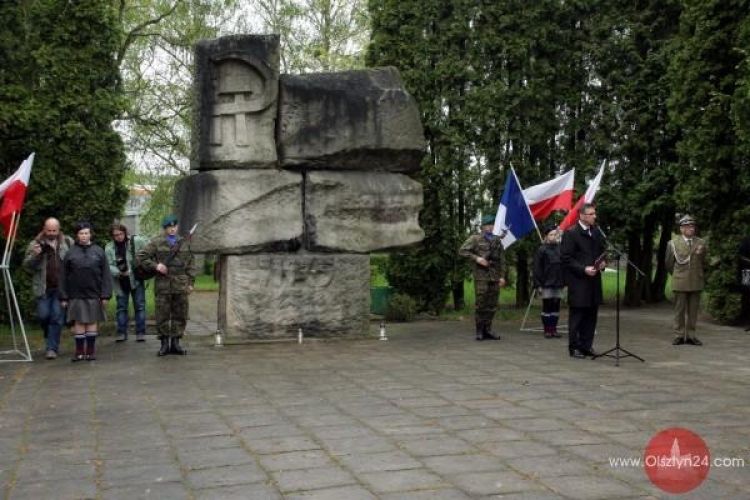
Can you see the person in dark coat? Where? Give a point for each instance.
(548, 279)
(583, 260)
(85, 288)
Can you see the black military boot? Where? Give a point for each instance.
(164, 349)
(175, 347)
(487, 331)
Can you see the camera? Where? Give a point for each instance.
(44, 245)
(122, 264)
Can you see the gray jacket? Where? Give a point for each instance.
(37, 264)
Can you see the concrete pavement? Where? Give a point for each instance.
(429, 414)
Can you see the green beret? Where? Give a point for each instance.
(488, 219)
(169, 220)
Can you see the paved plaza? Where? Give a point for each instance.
(430, 414)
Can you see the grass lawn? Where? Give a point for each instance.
(509, 311)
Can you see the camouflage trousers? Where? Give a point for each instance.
(486, 293)
(171, 314)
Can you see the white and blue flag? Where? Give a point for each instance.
(514, 219)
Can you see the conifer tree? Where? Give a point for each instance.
(709, 107)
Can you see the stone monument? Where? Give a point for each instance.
(294, 180)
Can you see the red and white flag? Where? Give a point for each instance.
(13, 193)
(555, 194)
(588, 197)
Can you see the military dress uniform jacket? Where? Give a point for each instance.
(579, 250)
(477, 246)
(181, 268)
(687, 263)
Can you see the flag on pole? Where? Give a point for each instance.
(555, 194)
(513, 219)
(13, 193)
(588, 197)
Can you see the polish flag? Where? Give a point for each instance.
(588, 197)
(556, 194)
(13, 193)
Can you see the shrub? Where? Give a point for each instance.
(401, 307)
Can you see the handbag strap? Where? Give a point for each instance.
(132, 249)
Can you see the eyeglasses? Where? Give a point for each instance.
(588, 214)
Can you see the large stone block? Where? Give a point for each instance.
(241, 211)
(236, 91)
(273, 295)
(352, 120)
(361, 211)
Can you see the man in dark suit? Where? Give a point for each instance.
(583, 260)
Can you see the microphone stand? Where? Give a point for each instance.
(618, 350)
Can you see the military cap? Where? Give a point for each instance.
(488, 219)
(687, 220)
(169, 220)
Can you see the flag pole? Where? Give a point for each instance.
(14, 311)
(527, 205)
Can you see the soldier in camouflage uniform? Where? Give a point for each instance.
(170, 257)
(486, 252)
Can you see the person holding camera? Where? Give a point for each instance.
(44, 257)
(121, 252)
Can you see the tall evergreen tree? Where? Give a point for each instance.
(427, 41)
(637, 199)
(59, 99)
(707, 105)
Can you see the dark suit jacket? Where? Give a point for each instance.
(580, 250)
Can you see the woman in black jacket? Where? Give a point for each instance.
(548, 279)
(85, 288)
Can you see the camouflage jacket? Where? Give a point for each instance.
(181, 268)
(477, 246)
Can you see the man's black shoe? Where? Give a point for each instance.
(489, 336)
(693, 341)
(589, 352)
(575, 353)
(678, 341)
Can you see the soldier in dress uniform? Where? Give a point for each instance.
(170, 257)
(686, 259)
(485, 250)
